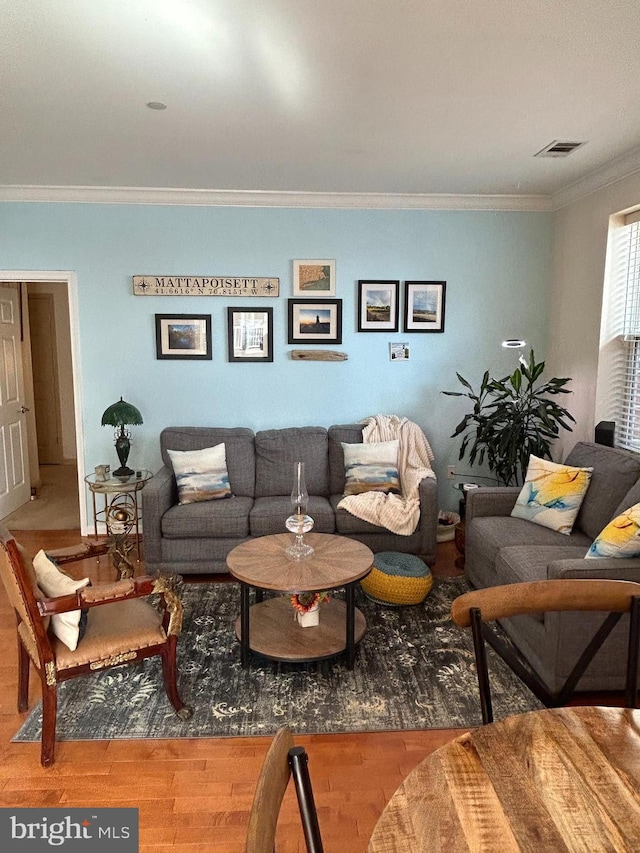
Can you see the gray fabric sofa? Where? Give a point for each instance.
(196, 538)
(502, 550)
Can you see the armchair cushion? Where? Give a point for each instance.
(114, 629)
(54, 583)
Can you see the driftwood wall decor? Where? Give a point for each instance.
(318, 355)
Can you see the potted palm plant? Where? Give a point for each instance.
(512, 418)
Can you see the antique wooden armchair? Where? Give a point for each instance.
(121, 628)
(479, 607)
(283, 760)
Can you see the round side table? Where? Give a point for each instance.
(120, 513)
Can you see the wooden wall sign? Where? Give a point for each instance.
(198, 285)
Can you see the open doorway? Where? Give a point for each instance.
(52, 419)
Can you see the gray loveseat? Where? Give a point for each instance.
(501, 550)
(196, 538)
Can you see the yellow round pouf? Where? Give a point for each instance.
(397, 579)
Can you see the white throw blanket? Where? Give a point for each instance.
(398, 513)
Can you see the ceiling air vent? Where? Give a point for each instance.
(559, 149)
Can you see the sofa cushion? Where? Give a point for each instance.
(614, 473)
(277, 452)
(371, 467)
(486, 536)
(228, 518)
(239, 450)
(620, 538)
(201, 475)
(269, 514)
(630, 499)
(339, 434)
(552, 494)
(348, 524)
(522, 564)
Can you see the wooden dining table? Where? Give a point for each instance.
(565, 779)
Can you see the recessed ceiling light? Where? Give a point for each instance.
(156, 105)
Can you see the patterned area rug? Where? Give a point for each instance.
(414, 670)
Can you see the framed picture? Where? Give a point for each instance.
(424, 306)
(311, 278)
(399, 352)
(183, 336)
(250, 334)
(315, 321)
(378, 306)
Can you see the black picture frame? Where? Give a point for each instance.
(183, 336)
(424, 304)
(378, 305)
(315, 321)
(250, 334)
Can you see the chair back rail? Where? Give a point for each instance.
(516, 599)
(270, 791)
(283, 760)
(477, 608)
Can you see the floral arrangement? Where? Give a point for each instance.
(306, 601)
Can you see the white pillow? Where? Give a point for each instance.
(54, 583)
(201, 475)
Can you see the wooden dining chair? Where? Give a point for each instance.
(282, 761)
(477, 608)
(121, 628)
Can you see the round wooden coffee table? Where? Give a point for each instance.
(269, 627)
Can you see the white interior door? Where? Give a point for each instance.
(15, 487)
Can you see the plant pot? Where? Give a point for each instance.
(310, 618)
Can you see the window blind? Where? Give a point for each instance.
(627, 272)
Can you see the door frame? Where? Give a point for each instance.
(70, 279)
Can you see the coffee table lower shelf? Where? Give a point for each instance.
(274, 631)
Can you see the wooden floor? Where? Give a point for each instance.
(195, 795)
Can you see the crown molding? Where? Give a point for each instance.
(247, 198)
(617, 170)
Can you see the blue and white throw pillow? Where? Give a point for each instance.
(371, 467)
(201, 475)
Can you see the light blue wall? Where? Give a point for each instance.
(496, 265)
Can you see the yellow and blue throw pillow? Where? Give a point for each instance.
(552, 494)
(620, 538)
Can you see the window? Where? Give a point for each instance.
(619, 381)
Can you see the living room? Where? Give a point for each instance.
(523, 257)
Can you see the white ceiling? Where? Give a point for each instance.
(318, 96)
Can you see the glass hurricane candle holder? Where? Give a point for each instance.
(299, 522)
